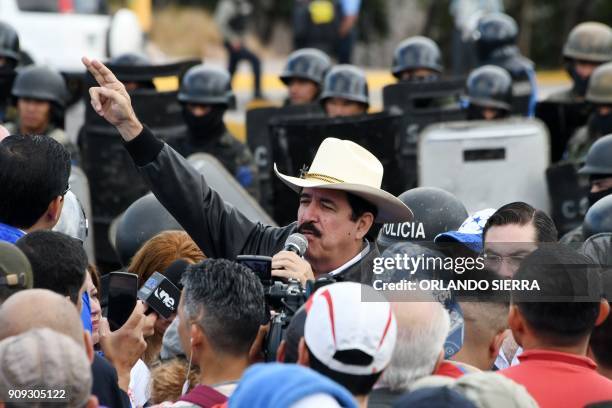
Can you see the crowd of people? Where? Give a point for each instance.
(334, 339)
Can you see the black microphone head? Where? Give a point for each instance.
(298, 242)
(174, 272)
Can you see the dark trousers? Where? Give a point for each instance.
(245, 54)
(344, 49)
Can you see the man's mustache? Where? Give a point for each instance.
(309, 226)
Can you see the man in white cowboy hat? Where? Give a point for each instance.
(340, 199)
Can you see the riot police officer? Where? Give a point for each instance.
(303, 75)
(9, 58)
(495, 38)
(205, 94)
(345, 92)
(598, 167)
(41, 95)
(133, 81)
(489, 93)
(599, 94)
(588, 46)
(417, 59)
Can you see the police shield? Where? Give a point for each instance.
(412, 96)
(226, 185)
(259, 141)
(487, 164)
(422, 104)
(562, 119)
(296, 140)
(113, 177)
(568, 195)
(79, 185)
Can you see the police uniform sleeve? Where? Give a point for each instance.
(246, 171)
(219, 229)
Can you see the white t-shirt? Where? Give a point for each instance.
(139, 383)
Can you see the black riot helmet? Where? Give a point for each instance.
(130, 59)
(435, 211)
(346, 82)
(42, 83)
(493, 31)
(599, 90)
(590, 41)
(9, 43)
(138, 79)
(206, 85)
(491, 87)
(598, 218)
(135, 226)
(599, 158)
(415, 53)
(306, 63)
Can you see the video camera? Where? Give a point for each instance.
(283, 296)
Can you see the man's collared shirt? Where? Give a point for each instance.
(556, 379)
(352, 261)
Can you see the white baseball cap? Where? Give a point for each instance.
(347, 333)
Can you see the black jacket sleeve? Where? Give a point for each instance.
(219, 229)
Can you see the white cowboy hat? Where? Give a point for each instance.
(346, 166)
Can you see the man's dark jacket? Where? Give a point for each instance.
(219, 229)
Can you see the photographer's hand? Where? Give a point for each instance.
(287, 264)
(112, 101)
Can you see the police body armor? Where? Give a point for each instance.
(259, 139)
(114, 179)
(422, 104)
(316, 24)
(492, 163)
(295, 141)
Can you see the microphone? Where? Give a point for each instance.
(296, 243)
(162, 293)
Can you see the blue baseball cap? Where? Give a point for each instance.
(470, 232)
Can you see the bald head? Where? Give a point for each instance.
(422, 328)
(40, 308)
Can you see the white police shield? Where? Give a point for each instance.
(487, 163)
(76, 212)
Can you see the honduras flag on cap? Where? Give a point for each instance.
(470, 232)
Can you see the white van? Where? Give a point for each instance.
(58, 33)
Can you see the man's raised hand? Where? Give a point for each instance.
(111, 100)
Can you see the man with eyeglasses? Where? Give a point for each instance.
(514, 231)
(34, 172)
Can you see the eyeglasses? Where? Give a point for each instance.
(495, 260)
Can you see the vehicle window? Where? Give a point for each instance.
(64, 6)
(39, 5)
